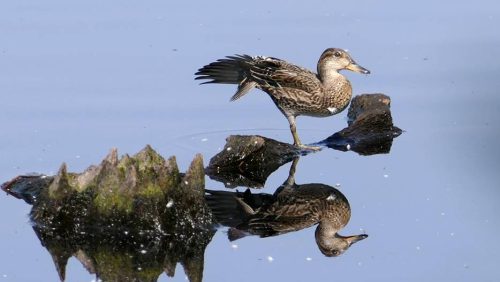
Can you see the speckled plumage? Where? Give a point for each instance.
(295, 90)
(291, 208)
(298, 207)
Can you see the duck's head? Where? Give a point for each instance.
(336, 245)
(338, 59)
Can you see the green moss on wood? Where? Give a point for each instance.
(113, 202)
(124, 267)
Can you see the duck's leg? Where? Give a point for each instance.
(296, 140)
(290, 181)
(293, 129)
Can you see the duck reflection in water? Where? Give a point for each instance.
(291, 208)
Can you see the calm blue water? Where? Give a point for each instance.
(79, 79)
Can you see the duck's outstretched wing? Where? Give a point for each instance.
(271, 72)
(266, 73)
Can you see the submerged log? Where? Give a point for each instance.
(370, 128)
(127, 219)
(249, 160)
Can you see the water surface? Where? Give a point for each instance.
(79, 79)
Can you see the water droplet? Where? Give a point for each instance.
(170, 203)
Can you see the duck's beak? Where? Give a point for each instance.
(356, 238)
(357, 68)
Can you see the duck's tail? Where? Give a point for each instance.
(231, 70)
(225, 207)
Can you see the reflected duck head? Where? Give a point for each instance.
(338, 59)
(333, 246)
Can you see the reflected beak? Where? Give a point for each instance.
(356, 238)
(357, 68)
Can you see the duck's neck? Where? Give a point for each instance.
(325, 233)
(330, 77)
(328, 228)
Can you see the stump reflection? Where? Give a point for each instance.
(128, 219)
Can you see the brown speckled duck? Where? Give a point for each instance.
(291, 208)
(295, 90)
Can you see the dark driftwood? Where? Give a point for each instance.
(370, 129)
(249, 160)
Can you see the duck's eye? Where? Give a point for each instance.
(337, 54)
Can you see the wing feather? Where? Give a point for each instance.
(272, 72)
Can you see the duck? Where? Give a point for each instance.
(292, 207)
(295, 90)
